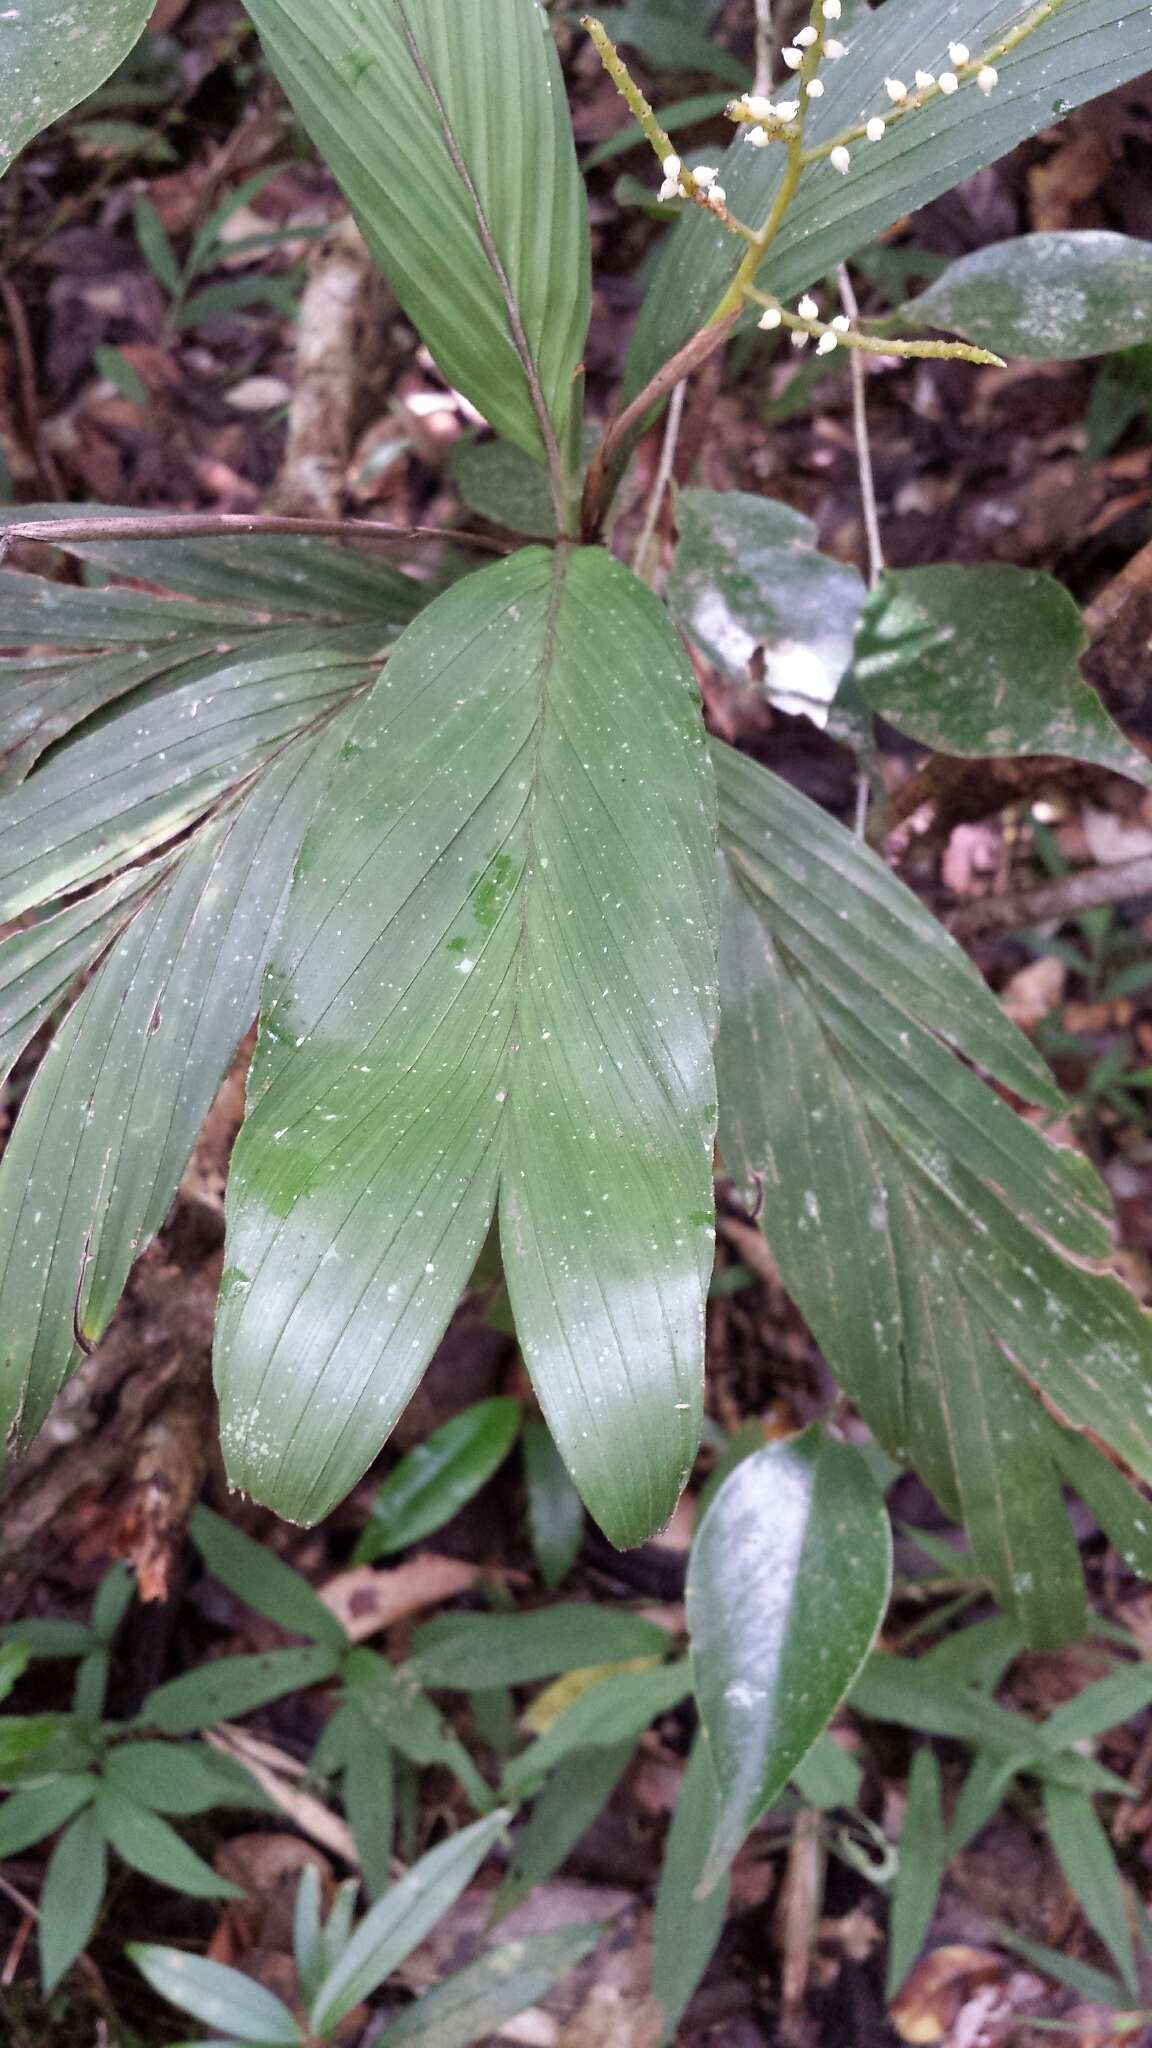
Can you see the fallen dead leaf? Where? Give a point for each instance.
(938, 1988)
(367, 1600)
(310, 1814)
(1030, 993)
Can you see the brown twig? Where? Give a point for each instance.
(29, 397)
(616, 441)
(1084, 889)
(217, 525)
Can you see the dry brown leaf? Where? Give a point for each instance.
(1030, 993)
(310, 1814)
(366, 1600)
(939, 1986)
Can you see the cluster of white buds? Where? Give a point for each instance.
(680, 181)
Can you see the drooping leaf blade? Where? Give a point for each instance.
(39, 963)
(1089, 1864)
(575, 1792)
(462, 1651)
(230, 1686)
(149, 1845)
(112, 1115)
(986, 661)
(1087, 48)
(504, 921)
(687, 1927)
(71, 1895)
(26, 1817)
(613, 1711)
(53, 56)
(1053, 297)
(255, 1573)
(923, 1856)
(788, 1583)
(843, 1107)
(477, 220)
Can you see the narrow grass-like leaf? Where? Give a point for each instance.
(687, 1927)
(26, 1817)
(1086, 1857)
(462, 1651)
(400, 1920)
(920, 1871)
(477, 219)
(575, 1793)
(614, 1711)
(43, 697)
(1124, 1514)
(986, 661)
(1087, 48)
(434, 1481)
(71, 1895)
(787, 1585)
(555, 1509)
(232, 1686)
(221, 1997)
(151, 1846)
(1053, 297)
(40, 963)
(505, 1981)
(53, 56)
(502, 926)
(255, 1573)
(179, 1778)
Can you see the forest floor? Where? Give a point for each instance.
(119, 382)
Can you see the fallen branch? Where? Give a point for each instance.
(61, 533)
(1084, 889)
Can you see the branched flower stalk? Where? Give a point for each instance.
(783, 123)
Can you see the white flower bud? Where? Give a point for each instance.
(787, 110)
(798, 338)
(948, 82)
(793, 58)
(814, 89)
(670, 189)
(842, 323)
(770, 318)
(807, 308)
(875, 129)
(717, 197)
(806, 37)
(826, 344)
(925, 80)
(839, 158)
(896, 89)
(835, 50)
(703, 175)
(758, 137)
(759, 109)
(672, 168)
(831, 10)
(988, 78)
(959, 53)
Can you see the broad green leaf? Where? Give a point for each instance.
(1054, 297)
(555, 1509)
(1087, 48)
(40, 963)
(400, 1920)
(44, 1638)
(35, 611)
(52, 56)
(687, 1927)
(26, 1817)
(141, 776)
(827, 1776)
(178, 1778)
(256, 1575)
(503, 484)
(750, 589)
(461, 1651)
(369, 1796)
(213, 1993)
(496, 977)
(842, 1103)
(71, 1895)
(505, 1981)
(434, 1481)
(1085, 1855)
(232, 1686)
(574, 1794)
(112, 1115)
(274, 576)
(614, 1711)
(986, 661)
(151, 1846)
(920, 1871)
(788, 1581)
(36, 1747)
(448, 130)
